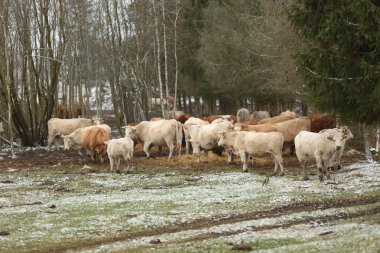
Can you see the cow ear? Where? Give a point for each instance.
(330, 137)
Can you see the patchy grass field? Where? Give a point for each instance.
(51, 203)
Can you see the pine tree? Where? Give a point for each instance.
(340, 60)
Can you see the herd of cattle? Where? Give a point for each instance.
(314, 137)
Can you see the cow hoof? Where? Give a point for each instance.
(245, 171)
(281, 174)
(321, 178)
(305, 178)
(128, 172)
(118, 171)
(338, 167)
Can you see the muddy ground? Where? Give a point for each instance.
(50, 202)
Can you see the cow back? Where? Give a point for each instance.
(321, 121)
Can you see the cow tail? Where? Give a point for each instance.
(179, 136)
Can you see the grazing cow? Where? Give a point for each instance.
(90, 138)
(319, 146)
(161, 132)
(335, 162)
(247, 144)
(277, 119)
(120, 148)
(192, 121)
(321, 121)
(255, 128)
(57, 127)
(205, 137)
(259, 115)
(242, 115)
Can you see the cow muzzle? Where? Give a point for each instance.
(338, 147)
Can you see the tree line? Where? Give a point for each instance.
(209, 56)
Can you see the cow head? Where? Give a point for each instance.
(196, 146)
(222, 136)
(67, 141)
(338, 139)
(96, 121)
(130, 131)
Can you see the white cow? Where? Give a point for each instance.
(320, 147)
(58, 127)
(205, 137)
(191, 121)
(246, 144)
(120, 148)
(161, 132)
(335, 162)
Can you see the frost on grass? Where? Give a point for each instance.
(99, 205)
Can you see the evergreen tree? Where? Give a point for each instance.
(340, 60)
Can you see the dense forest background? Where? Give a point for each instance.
(60, 58)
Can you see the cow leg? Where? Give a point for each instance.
(112, 162)
(326, 171)
(278, 162)
(129, 163)
(51, 138)
(230, 157)
(146, 148)
(117, 164)
(198, 155)
(304, 167)
(171, 150)
(187, 145)
(244, 158)
(159, 150)
(206, 155)
(320, 167)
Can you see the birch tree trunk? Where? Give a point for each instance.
(158, 56)
(165, 55)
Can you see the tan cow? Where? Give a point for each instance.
(205, 137)
(120, 148)
(255, 128)
(320, 147)
(246, 144)
(58, 127)
(277, 119)
(291, 128)
(191, 121)
(91, 139)
(161, 132)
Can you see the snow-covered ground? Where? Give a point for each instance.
(188, 211)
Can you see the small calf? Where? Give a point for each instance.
(118, 148)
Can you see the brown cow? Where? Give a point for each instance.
(211, 118)
(94, 141)
(321, 121)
